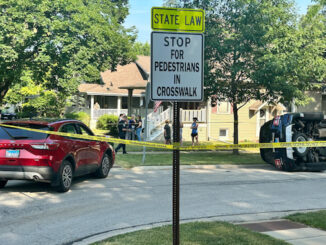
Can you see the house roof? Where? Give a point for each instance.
(257, 105)
(125, 76)
(144, 62)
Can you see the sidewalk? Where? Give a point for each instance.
(291, 232)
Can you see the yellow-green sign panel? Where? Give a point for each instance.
(178, 19)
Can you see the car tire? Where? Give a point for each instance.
(3, 183)
(105, 167)
(300, 151)
(65, 176)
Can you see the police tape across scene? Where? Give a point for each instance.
(176, 146)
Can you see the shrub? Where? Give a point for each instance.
(28, 112)
(108, 122)
(81, 116)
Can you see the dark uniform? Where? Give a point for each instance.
(167, 129)
(122, 126)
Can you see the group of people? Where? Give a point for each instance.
(194, 132)
(129, 129)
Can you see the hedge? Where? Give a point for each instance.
(81, 116)
(108, 122)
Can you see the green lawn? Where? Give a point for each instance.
(188, 158)
(198, 233)
(135, 148)
(313, 219)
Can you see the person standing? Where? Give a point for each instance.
(139, 125)
(121, 117)
(132, 128)
(167, 132)
(194, 131)
(123, 129)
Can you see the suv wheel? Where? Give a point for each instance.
(300, 151)
(104, 169)
(65, 176)
(3, 183)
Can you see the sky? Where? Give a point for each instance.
(140, 15)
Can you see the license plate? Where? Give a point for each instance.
(12, 153)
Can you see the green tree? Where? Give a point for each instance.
(62, 43)
(142, 48)
(295, 63)
(34, 98)
(256, 50)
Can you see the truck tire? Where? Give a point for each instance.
(300, 151)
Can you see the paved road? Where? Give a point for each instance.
(32, 213)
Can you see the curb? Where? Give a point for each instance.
(235, 219)
(222, 166)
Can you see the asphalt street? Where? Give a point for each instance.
(32, 213)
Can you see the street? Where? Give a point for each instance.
(32, 213)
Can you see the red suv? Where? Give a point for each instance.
(28, 155)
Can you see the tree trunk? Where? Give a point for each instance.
(3, 91)
(235, 128)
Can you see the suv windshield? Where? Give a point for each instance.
(13, 133)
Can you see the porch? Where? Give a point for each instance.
(100, 105)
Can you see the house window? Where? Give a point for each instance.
(135, 102)
(262, 117)
(223, 132)
(222, 108)
(124, 103)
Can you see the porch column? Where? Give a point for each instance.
(129, 102)
(92, 122)
(119, 105)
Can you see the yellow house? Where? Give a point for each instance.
(216, 123)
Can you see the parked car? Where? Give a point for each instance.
(5, 115)
(28, 155)
(295, 127)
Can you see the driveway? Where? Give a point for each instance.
(32, 213)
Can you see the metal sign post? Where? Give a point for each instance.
(176, 174)
(177, 74)
(147, 100)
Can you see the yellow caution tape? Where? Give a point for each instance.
(93, 138)
(176, 146)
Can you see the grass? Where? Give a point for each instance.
(313, 219)
(135, 148)
(187, 158)
(100, 132)
(197, 233)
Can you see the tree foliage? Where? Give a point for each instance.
(34, 100)
(256, 49)
(142, 48)
(81, 116)
(61, 43)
